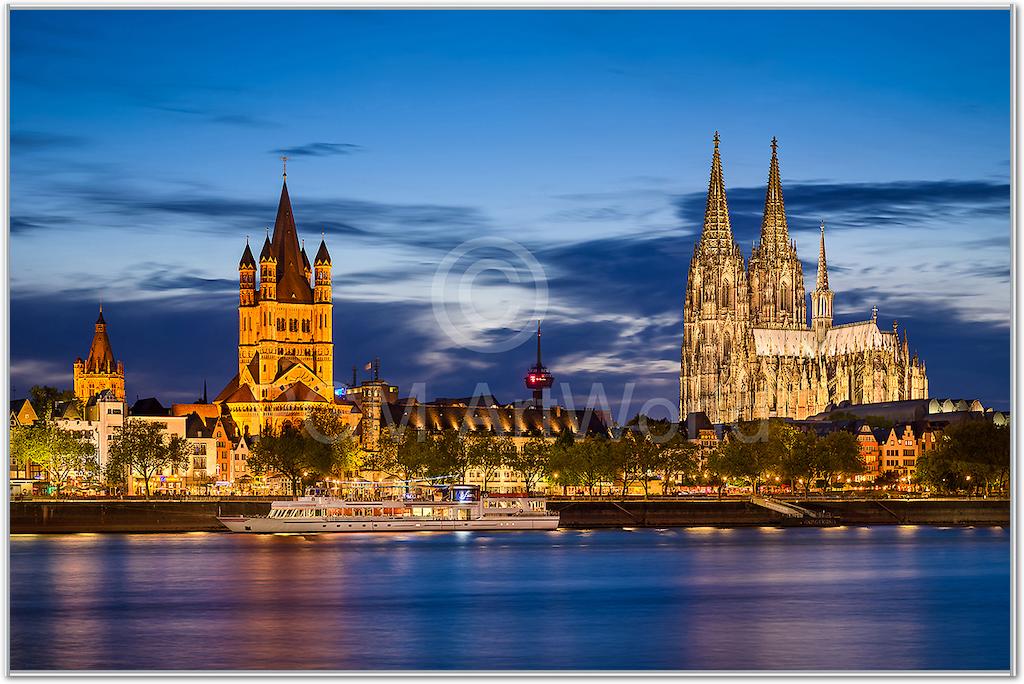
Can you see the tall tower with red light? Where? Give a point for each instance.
(538, 378)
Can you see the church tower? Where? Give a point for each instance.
(716, 316)
(776, 276)
(285, 327)
(99, 371)
(821, 298)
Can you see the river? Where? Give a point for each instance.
(862, 598)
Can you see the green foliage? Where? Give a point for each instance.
(840, 456)
(403, 452)
(975, 449)
(532, 462)
(676, 457)
(488, 453)
(141, 447)
(447, 456)
(327, 426)
(293, 454)
(43, 398)
(635, 458)
(58, 452)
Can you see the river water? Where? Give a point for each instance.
(864, 598)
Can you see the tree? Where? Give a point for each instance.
(488, 453)
(978, 449)
(751, 453)
(142, 447)
(44, 397)
(327, 426)
(802, 461)
(636, 457)
(403, 452)
(446, 455)
(532, 462)
(840, 455)
(58, 452)
(676, 457)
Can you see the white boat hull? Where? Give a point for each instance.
(278, 526)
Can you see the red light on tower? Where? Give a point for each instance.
(538, 378)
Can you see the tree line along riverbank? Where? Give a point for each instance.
(61, 517)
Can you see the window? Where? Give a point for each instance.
(293, 325)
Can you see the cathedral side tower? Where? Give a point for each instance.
(777, 296)
(717, 341)
(821, 298)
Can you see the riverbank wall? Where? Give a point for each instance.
(591, 514)
(56, 517)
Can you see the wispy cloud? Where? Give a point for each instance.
(317, 149)
(861, 205)
(36, 141)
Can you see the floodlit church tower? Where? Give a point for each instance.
(99, 371)
(776, 276)
(716, 316)
(821, 298)
(285, 331)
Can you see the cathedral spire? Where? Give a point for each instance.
(717, 233)
(774, 229)
(822, 282)
(821, 298)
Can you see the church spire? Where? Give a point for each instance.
(717, 233)
(774, 229)
(101, 357)
(822, 281)
(292, 283)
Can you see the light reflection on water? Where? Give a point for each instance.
(906, 597)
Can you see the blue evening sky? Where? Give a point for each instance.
(146, 145)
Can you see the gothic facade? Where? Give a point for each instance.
(748, 349)
(285, 332)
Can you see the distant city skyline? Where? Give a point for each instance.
(146, 146)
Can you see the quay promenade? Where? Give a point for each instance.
(118, 515)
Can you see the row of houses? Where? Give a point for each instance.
(218, 457)
(220, 451)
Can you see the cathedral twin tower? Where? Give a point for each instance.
(748, 351)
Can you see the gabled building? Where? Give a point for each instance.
(22, 413)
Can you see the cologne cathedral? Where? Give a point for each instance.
(748, 351)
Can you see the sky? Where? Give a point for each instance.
(473, 171)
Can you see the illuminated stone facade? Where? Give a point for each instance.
(99, 371)
(748, 351)
(285, 332)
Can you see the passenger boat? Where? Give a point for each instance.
(462, 508)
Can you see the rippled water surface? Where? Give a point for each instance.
(755, 598)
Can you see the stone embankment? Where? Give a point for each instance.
(43, 517)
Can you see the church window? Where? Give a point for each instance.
(293, 325)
